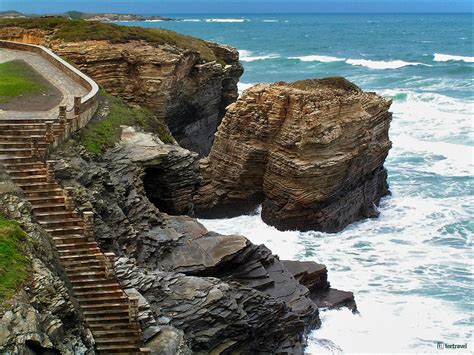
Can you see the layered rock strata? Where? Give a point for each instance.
(222, 292)
(180, 85)
(311, 152)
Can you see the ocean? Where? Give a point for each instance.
(410, 269)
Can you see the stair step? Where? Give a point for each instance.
(94, 313)
(103, 286)
(100, 335)
(81, 245)
(118, 349)
(15, 138)
(6, 144)
(64, 222)
(52, 207)
(99, 293)
(87, 263)
(26, 172)
(124, 339)
(69, 230)
(83, 300)
(38, 186)
(7, 160)
(42, 201)
(59, 241)
(79, 274)
(24, 165)
(53, 215)
(28, 178)
(81, 256)
(108, 319)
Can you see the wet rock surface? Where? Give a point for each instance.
(311, 152)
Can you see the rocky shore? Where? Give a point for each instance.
(311, 152)
(199, 291)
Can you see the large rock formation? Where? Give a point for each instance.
(311, 152)
(222, 292)
(189, 88)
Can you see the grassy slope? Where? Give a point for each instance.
(17, 78)
(14, 265)
(79, 30)
(97, 136)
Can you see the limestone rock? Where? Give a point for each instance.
(176, 83)
(311, 152)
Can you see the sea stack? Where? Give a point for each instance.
(311, 152)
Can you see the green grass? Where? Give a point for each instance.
(79, 30)
(334, 82)
(97, 136)
(16, 79)
(15, 267)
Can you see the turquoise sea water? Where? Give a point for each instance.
(411, 269)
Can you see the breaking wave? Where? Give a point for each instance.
(438, 57)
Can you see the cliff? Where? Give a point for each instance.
(183, 80)
(310, 152)
(218, 293)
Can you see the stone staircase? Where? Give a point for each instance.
(109, 313)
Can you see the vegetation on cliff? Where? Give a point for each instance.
(14, 265)
(18, 78)
(101, 134)
(81, 30)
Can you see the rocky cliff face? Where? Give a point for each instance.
(207, 291)
(311, 152)
(188, 89)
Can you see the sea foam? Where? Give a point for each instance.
(319, 58)
(438, 57)
(381, 64)
(229, 20)
(248, 56)
(241, 87)
(371, 64)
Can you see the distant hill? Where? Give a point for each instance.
(11, 14)
(78, 15)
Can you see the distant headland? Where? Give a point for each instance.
(78, 15)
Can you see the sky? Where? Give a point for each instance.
(238, 6)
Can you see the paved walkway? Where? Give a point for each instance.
(68, 87)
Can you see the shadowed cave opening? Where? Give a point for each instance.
(167, 192)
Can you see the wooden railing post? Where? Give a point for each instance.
(68, 197)
(133, 309)
(77, 105)
(69, 126)
(49, 135)
(50, 171)
(88, 224)
(62, 123)
(109, 260)
(34, 147)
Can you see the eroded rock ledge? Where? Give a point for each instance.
(311, 152)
